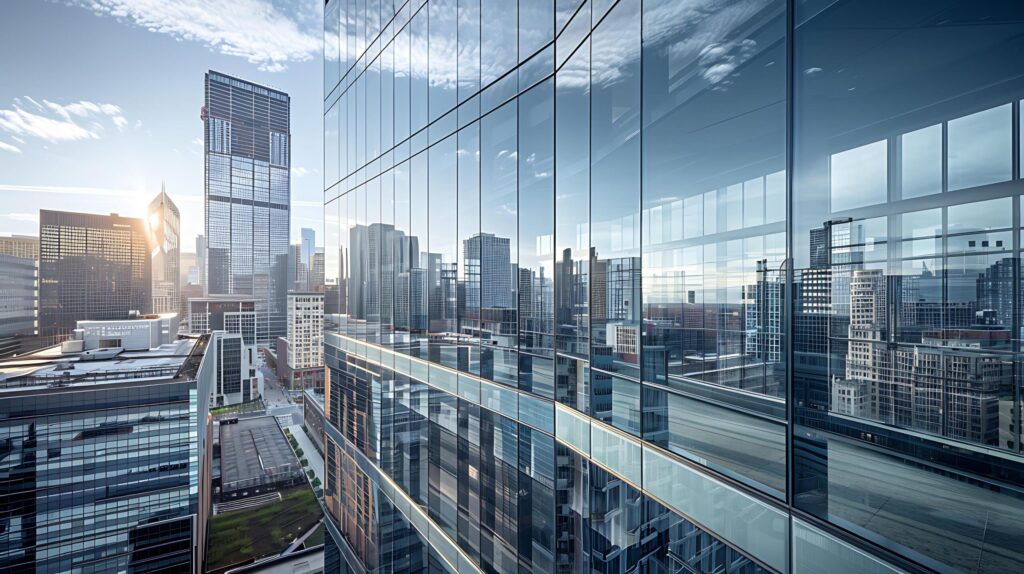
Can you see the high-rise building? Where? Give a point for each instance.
(201, 260)
(316, 277)
(84, 480)
(298, 273)
(90, 267)
(248, 196)
(308, 244)
(24, 246)
(677, 286)
(164, 222)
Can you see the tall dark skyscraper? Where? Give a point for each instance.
(679, 286)
(91, 266)
(248, 196)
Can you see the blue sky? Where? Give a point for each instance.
(100, 100)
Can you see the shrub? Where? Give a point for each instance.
(304, 462)
(299, 453)
(311, 474)
(316, 486)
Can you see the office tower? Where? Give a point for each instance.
(17, 304)
(784, 242)
(298, 273)
(491, 255)
(201, 260)
(248, 196)
(24, 246)
(164, 222)
(90, 267)
(85, 483)
(303, 347)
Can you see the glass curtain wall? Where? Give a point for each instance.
(674, 285)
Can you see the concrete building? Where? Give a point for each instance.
(300, 355)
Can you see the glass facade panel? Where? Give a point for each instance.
(904, 329)
(670, 286)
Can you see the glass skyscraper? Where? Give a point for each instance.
(164, 221)
(248, 196)
(673, 286)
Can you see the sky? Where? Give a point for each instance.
(100, 102)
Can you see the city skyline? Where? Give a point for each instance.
(68, 126)
(512, 286)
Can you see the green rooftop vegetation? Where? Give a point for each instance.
(241, 536)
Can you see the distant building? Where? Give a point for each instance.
(487, 257)
(306, 251)
(316, 279)
(164, 221)
(201, 261)
(17, 305)
(223, 313)
(24, 246)
(248, 196)
(188, 291)
(90, 267)
(137, 509)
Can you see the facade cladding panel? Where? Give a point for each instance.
(94, 267)
(134, 509)
(673, 286)
(248, 193)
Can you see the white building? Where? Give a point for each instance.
(305, 328)
(134, 333)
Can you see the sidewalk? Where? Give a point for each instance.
(309, 452)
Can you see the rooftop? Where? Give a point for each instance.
(254, 449)
(50, 368)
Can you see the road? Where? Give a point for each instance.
(276, 397)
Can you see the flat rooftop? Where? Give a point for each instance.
(49, 367)
(253, 449)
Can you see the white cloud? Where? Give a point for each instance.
(299, 171)
(56, 123)
(8, 147)
(306, 203)
(31, 217)
(252, 29)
